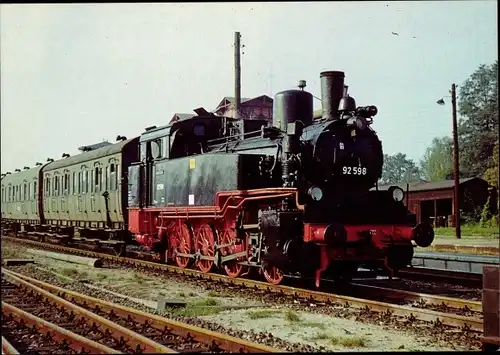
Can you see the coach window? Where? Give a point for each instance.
(84, 181)
(34, 189)
(97, 178)
(106, 178)
(79, 182)
(101, 179)
(66, 183)
(74, 183)
(88, 177)
(91, 180)
(28, 195)
(56, 185)
(112, 177)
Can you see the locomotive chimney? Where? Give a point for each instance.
(332, 90)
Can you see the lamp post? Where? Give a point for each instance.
(456, 202)
(408, 177)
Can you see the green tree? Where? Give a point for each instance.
(396, 167)
(491, 174)
(437, 162)
(478, 129)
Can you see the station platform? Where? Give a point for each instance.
(454, 261)
(465, 245)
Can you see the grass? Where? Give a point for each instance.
(353, 342)
(212, 294)
(69, 272)
(13, 253)
(101, 277)
(319, 336)
(291, 316)
(313, 325)
(73, 273)
(348, 342)
(140, 278)
(200, 308)
(264, 313)
(468, 232)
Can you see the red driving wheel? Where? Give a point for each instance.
(183, 245)
(273, 275)
(204, 242)
(232, 268)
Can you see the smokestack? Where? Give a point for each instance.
(332, 90)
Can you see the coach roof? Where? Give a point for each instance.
(19, 177)
(89, 156)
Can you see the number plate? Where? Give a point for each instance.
(353, 170)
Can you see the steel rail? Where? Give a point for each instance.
(423, 272)
(210, 338)
(412, 313)
(55, 332)
(422, 298)
(7, 348)
(134, 340)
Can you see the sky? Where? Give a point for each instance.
(76, 74)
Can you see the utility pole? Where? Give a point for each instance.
(237, 74)
(456, 162)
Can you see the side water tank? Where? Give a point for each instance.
(290, 106)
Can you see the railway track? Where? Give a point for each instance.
(422, 300)
(118, 329)
(447, 316)
(458, 277)
(36, 334)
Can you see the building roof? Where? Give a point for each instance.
(427, 185)
(227, 100)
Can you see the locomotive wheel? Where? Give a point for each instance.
(183, 245)
(272, 274)
(204, 242)
(232, 268)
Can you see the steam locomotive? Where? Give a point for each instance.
(298, 197)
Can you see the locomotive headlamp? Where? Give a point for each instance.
(316, 193)
(397, 193)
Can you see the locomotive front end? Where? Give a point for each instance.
(335, 162)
